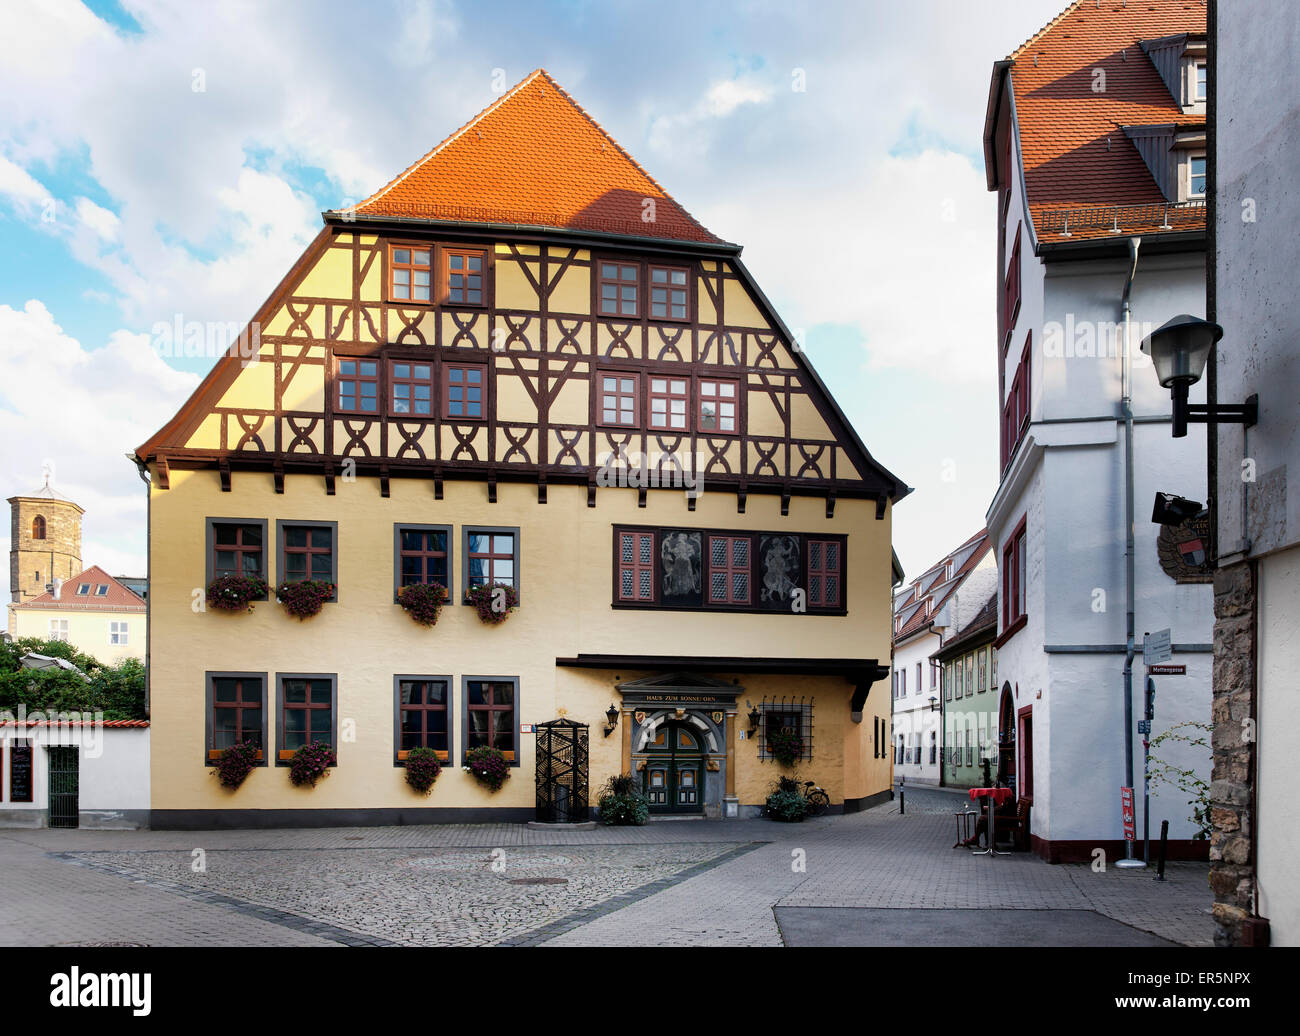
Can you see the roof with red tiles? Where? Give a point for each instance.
(1077, 157)
(116, 598)
(937, 593)
(534, 157)
(108, 724)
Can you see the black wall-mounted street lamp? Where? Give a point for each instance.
(934, 703)
(755, 718)
(1180, 348)
(611, 720)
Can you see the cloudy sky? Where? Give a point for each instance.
(163, 159)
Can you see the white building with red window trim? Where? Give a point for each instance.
(940, 601)
(1089, 202)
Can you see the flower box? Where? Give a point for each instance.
(403, 755)
(215, 753)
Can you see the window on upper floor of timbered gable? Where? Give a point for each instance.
(717, 405)
(410, 272)
(357, 387)
(617, 404)
(618, 288)
(669, 292)
(464, 272)
(464, 391)
(669, 402)
(410, 388)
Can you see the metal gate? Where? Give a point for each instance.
(64, 764)
(562, 772)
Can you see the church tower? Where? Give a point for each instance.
(44, 541)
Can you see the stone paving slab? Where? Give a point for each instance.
(422, 897)
(859, 926)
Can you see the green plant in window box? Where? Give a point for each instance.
(494, 601)
(310, 763)
(621, 804)
(236, 763)
(304, 598)
(423, 601)
(488, 765)
(785, 803)
(422, 769)
(235, 593)
(785, 746)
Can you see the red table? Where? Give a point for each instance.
(994, 798)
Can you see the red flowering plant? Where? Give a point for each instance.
(311, 762)
(423, 601)
(236, 593)
(304, 598)
(236, 763)
(494, 601)
(422, 769)
(488, 765)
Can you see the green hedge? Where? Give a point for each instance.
(117, 690)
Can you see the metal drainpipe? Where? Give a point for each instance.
(143, 472)
(1126, 411)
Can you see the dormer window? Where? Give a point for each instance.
(1200, 82)
(1196, 176)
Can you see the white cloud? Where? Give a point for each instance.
(82, 411)
(691, 132)
(102, 221)
(23, 190)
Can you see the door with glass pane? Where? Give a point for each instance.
(674, 772)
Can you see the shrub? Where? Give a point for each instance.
(785, 803)
(310, 763)
(422, 769)
(621, 803)
(423, 601)
(236, 763)
(493, 607)
(304, 598)
(488, 765)
(235, 593)
(785, 746)
(115, 691)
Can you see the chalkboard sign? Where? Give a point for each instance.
(20, 772)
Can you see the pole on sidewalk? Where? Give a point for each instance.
(1164, 845)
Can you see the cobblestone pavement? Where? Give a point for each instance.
(675, 883)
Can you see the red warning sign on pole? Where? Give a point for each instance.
(1126, 806)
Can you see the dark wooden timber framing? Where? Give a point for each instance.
(545, 350)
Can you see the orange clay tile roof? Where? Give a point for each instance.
(108, 724)
(535, 158)
(117, 599)
(940, 593)
(1076, 154)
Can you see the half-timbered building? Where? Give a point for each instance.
(521, 364)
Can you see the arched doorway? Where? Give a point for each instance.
(674, 770)
(1007, 738)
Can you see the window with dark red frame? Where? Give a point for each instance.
(422, 715)
(410, 272)
(423, 556)
(729, 569)
(492, 558)
(669, 401)
(618, 287)
(308, 553)
(490, 715)
(464, 391)
(1013, 578)
(825, 573)
(357, 386)
(669, 292)
(717, 409)
(464, 271)
(618, 396)
(1011, 292)
(238, 550)
(1015, 411)
(636, 567)
(307, 712)
(410, 388)
(237, 703)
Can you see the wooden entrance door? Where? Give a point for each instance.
(674, 772)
